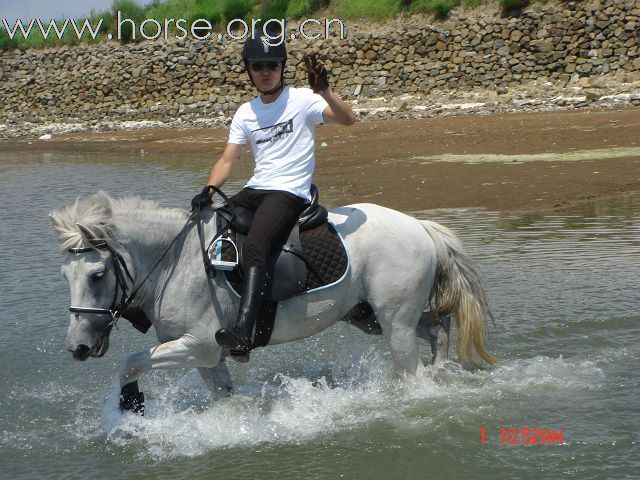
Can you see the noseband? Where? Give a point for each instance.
(122, 274)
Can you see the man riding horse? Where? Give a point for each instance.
(280, 126)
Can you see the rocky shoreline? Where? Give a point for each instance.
(555, 56)
(585, 94)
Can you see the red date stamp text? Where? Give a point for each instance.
(521, 436)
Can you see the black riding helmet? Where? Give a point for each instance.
(262, 49)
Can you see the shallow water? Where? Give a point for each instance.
(580, 155)
(563, 288)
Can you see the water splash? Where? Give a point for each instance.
(291, 410)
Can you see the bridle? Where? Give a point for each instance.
(122, 274)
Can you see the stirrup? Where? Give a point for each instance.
(215, 255)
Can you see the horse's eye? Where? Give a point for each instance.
(97, 276)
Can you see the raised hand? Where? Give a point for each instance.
(318, 76)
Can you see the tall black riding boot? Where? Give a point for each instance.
(238, 338)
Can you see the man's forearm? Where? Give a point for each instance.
(220, 173)
(341, 109)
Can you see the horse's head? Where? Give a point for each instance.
(92, 284)
(90, 268)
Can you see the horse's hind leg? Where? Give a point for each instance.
(399, 326)
(437, 334)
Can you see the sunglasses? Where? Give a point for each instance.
(260, 66)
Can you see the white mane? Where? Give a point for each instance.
(98, 214)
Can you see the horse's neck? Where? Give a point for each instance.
(144, 237)
(147, 240)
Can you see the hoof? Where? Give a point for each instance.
(131, 399)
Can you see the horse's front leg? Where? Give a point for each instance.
(185, 352)
(217, 380)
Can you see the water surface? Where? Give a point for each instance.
(564, 293)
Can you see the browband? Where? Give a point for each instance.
(98, 245)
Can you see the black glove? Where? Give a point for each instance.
(318, 77)
(201, 200)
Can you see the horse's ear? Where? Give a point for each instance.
(53, 218)
(86, 232)
(57, 223)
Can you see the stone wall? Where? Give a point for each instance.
(555, 41)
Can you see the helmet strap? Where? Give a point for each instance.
(273, 90)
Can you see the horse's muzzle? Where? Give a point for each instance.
(81, 352)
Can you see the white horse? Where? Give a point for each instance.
(398, 265)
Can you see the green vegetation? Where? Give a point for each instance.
(7, 43)
(378, 10)
(235, 9)
(219, 12)
(513, 7)
(274, 9)
(440, 8)
(299, 8)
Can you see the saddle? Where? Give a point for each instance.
(314, 256)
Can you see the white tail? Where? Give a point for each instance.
(458, 291)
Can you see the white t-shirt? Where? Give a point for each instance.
(282, 139)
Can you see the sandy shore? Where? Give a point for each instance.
(526, 161)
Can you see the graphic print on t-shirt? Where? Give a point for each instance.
(274, 132)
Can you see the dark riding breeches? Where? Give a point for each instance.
(276, 213)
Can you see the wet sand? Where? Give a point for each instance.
(528, 161)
